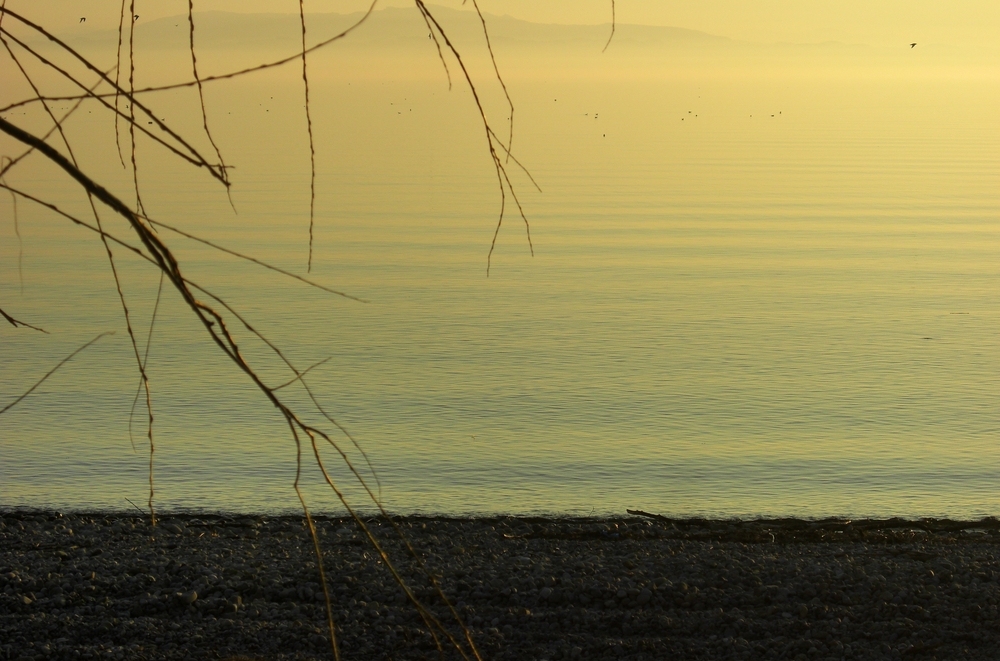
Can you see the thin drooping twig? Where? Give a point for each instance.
(315, 540)
(145, 359)
(496, 72)
(429, 618)
(118, 64)
(140, 363)
(511, 156)
(136, 506)
(17, 227)
(498, 165)
(613, 21)
(433, 35)
(201, 100)
(131, 123)
(312, 145)
(248, 258)
(52, 371)
(17, 322)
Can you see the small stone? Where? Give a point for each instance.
(188, 597)
(26, 600)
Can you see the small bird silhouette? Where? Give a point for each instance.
(913, 44)
(83, 19)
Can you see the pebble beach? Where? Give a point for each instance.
(110, 586)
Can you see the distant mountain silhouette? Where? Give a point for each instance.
(392, 27)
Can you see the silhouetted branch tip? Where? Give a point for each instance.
(613, 21)
(52, 371)
(16, 322)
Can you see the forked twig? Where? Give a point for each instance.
(16, 322)
(496, 72)
(498, 165)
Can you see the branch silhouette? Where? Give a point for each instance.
(215, 315)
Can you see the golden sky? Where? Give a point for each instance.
(964, 22)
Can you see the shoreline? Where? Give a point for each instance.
(209, 586)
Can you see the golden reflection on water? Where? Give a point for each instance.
(765, 282)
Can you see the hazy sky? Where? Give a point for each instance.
(861, 21)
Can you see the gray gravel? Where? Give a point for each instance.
(80, 586)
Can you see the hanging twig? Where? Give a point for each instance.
(612, 35)
(52, 371)
(15, 323)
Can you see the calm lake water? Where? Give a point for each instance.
(774, 293)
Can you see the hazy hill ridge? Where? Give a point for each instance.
(387, 28)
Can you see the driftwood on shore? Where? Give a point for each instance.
(791, 529)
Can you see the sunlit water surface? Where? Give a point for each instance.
(785, 304)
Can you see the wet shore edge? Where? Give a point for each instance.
(639, 586)
(732, 529)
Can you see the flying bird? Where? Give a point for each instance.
(913, 44)
(83, 19)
